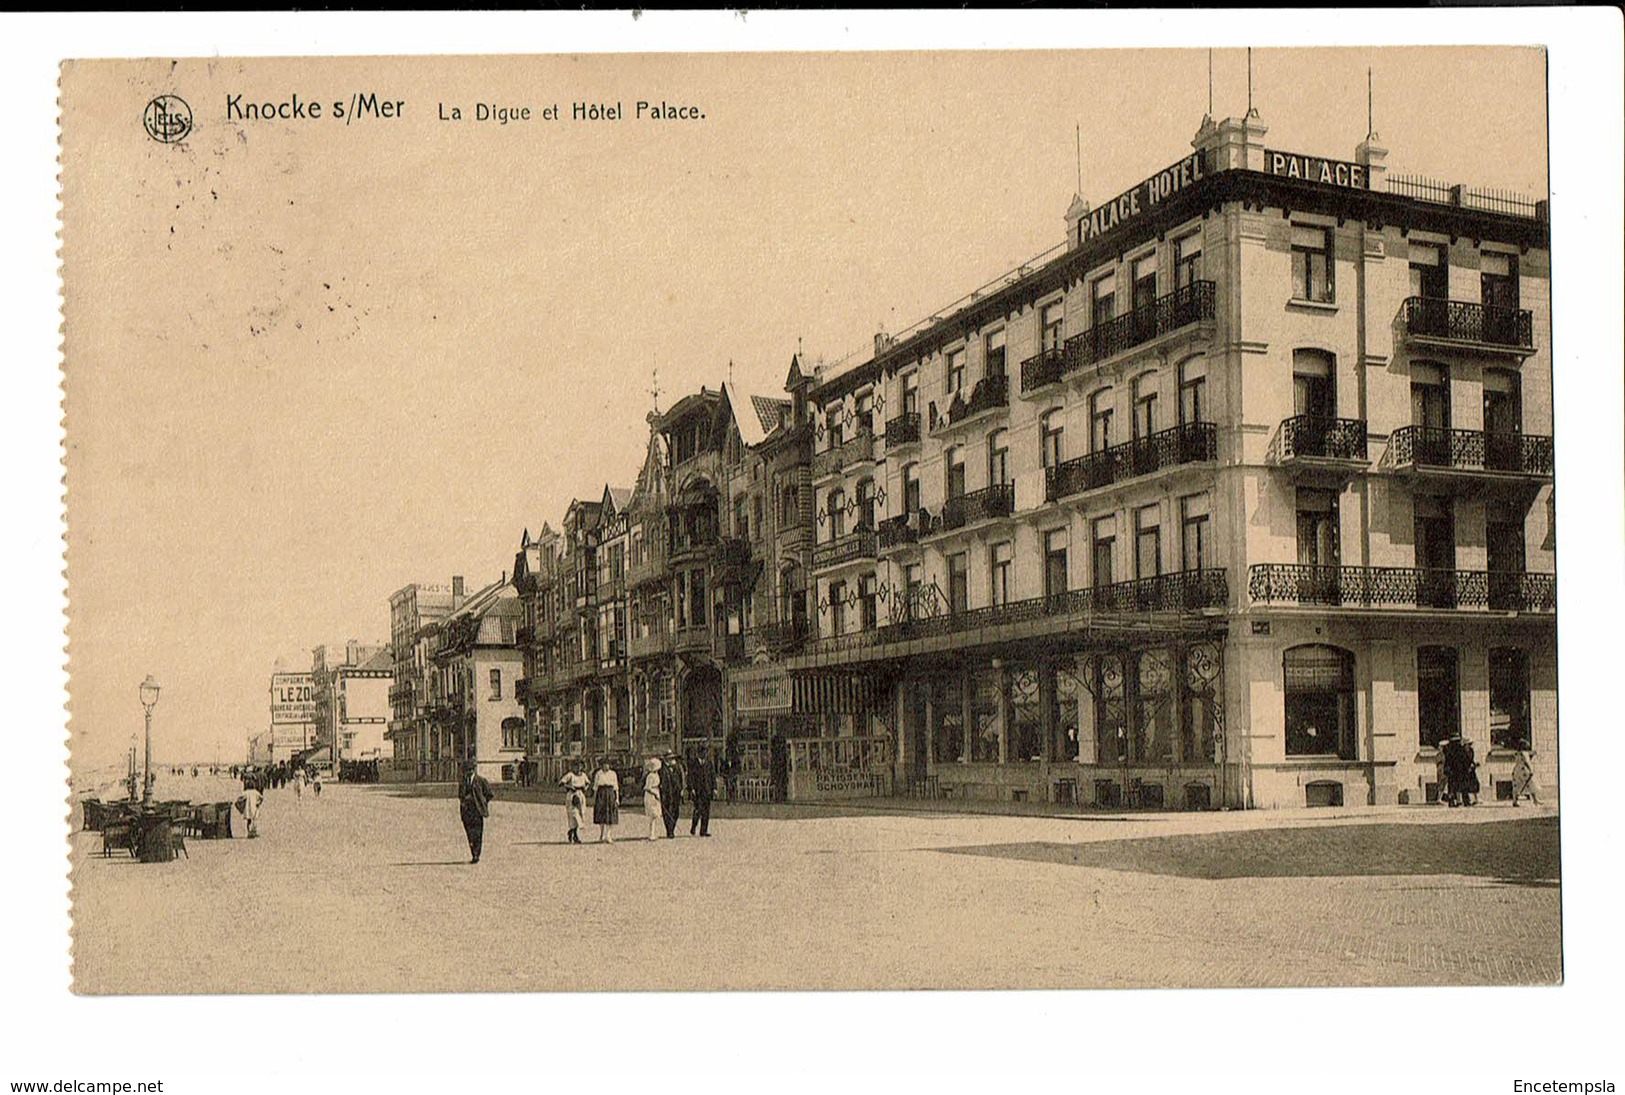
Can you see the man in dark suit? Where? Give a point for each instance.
(702, 783)
(474, 802)
(671, 793)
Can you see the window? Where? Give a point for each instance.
(1498, 280)
(1145, 405)
(1503, 409)
(911, 489)
(866, 503)
(1100, 420)
(958, 583)
(496, 684)
(1056, 544)
(1105, 546)
(865, 416)
(911, 393)
(993, 353)
(869, 602)
(1317, 527)
(789, 507)
(1430, 274)
(697, 616)
(837, 608)
(1193, 532)
(948, 715)
(1434, 526)
(742, 517)
(913, 583)
(756, 514)
(1313, 391)
(956, 370)
(986, 696)
(1026, 738)
(1052, 428)
(1319, 685)
(1438, 695)
(1064, 710)
(1147, 542)
(1144, 291)
(834, 424)
(1104, 300)
(998, 458)
(1509, 699)
(1154, 708)
(837, 513)
(955, 478)
(1050, 326)
(1187, 260)
(1192, 391)
(1312, 263)
(999, 573)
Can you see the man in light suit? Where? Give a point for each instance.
(474, 802)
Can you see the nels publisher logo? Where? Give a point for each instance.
(167, 119)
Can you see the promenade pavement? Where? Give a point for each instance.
(369, 889)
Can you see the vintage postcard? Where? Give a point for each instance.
(970, 520)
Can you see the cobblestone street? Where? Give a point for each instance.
(369, 889)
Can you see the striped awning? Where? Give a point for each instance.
(834, 693)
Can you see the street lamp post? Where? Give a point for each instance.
(149, 699)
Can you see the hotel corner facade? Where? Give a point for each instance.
(1243, 498)
(1239, 497)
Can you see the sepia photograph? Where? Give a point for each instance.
(1028, 528)
(794, 551)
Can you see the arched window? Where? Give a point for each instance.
(1100, 420)
(1319, 682)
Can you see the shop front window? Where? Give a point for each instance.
(1509, 699)
(1319, 682)
(1438, 695)
(984, 715)
(948, 719)
(1026, 718)
(1065, 692)
(1154, 709)
(1111, 722)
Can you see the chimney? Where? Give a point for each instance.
(456, 592)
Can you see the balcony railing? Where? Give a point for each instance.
(784, 637)
(1401, 587)
(651, 645)
(1460, 321)
(894, 531)
(998, 500)
(1312, 437)
(1469, 450)
(690, 640)
(927, 616)
(1191, 304)
(858, 544)
(854, 450)
(903, 430)
(990, 392)
(681, 542)
(647, 569)
(1187, 444)
(732, 551)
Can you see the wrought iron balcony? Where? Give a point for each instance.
(1190, 304)
(1469, 450)
(1401, 587)
(1460, 321)
(1187, 444)
(990, 392)
(783, 637)
(652, 567)
(858, 544)
(903, 430)
(998, 500)
(895, 531)
(854, 450)
(1311, 437)
(691, 640)
(928, 616)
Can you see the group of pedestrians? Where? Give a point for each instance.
(666, 782)
(257, 781)
(1457, 774)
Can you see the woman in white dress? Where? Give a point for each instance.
(575, 784)
(606, 800)
(651, 797)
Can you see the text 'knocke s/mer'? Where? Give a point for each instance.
(297, 108)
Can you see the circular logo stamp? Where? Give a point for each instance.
(168, 119)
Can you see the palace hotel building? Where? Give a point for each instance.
(1241, 497)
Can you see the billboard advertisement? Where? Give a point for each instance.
(293, 698)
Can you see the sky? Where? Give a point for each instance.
(310, 362)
